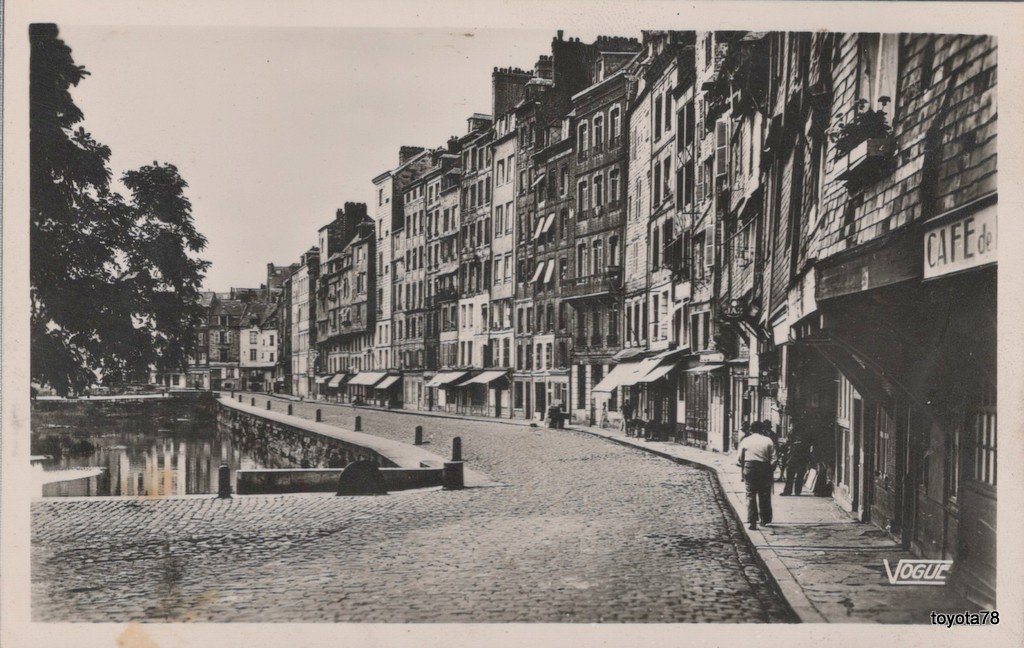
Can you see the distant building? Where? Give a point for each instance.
(303, 325)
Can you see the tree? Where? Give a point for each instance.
(114, 285)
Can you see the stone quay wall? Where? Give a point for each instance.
(295, 441)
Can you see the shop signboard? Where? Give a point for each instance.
(961, 244)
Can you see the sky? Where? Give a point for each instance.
(275, 128)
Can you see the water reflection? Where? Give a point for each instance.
(143, 454)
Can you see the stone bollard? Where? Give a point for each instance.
(252, 401)
(232, 394)
(224, 482)
(358, 424)
(419, 435)
(319, 416)
(239, 398)
(268, 404)
(457, 449)
(289, 409)
(452, 476)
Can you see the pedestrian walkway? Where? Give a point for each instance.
(827, 564)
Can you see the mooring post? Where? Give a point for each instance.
(224, 482)
(239, 398)
(268, 404)
(419, 435)
(289, 409)
(232, 394)
(457, 449)
(252, 401)
(358, 424)
(319, 416)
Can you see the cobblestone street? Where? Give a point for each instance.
(582, 531)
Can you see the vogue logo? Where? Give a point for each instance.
(918, 572)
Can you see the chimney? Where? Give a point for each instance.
(406, 153)
(453, 144)
(560, 34)
(544, 68)
(507, 86)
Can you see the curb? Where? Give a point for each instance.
(785, 583)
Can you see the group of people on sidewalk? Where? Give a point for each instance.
(758, 460)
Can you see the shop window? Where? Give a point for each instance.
(985, 438)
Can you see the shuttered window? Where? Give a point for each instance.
(721, 148)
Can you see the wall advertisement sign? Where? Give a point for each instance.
(961, 244)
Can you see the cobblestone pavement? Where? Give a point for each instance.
(583, 531)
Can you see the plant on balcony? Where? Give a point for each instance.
(864, 125)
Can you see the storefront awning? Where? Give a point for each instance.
(658, 373)
(321, 380)
(619, 376)
(705, 368)
(486, 378)
(367, 378)
(628, 353)
(336, 380)
(388, 382)
(445, 377)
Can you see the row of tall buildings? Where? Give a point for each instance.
(703, 229)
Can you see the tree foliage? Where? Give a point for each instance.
(114, 282)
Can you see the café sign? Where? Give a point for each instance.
(961, 244)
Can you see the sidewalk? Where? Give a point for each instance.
(827, 565)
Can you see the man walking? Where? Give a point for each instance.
(796, 466)
(756, 460)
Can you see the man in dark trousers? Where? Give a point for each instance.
(796, 466)
(757, 457)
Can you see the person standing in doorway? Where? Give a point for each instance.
(627, 414)
(757, 456)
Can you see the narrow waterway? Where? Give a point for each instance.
(154, 448)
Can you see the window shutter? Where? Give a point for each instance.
(721, 148)
(699, 189)
(709, 245)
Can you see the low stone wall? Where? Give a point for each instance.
(325, 480)
(176, 403)
(294, 441)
